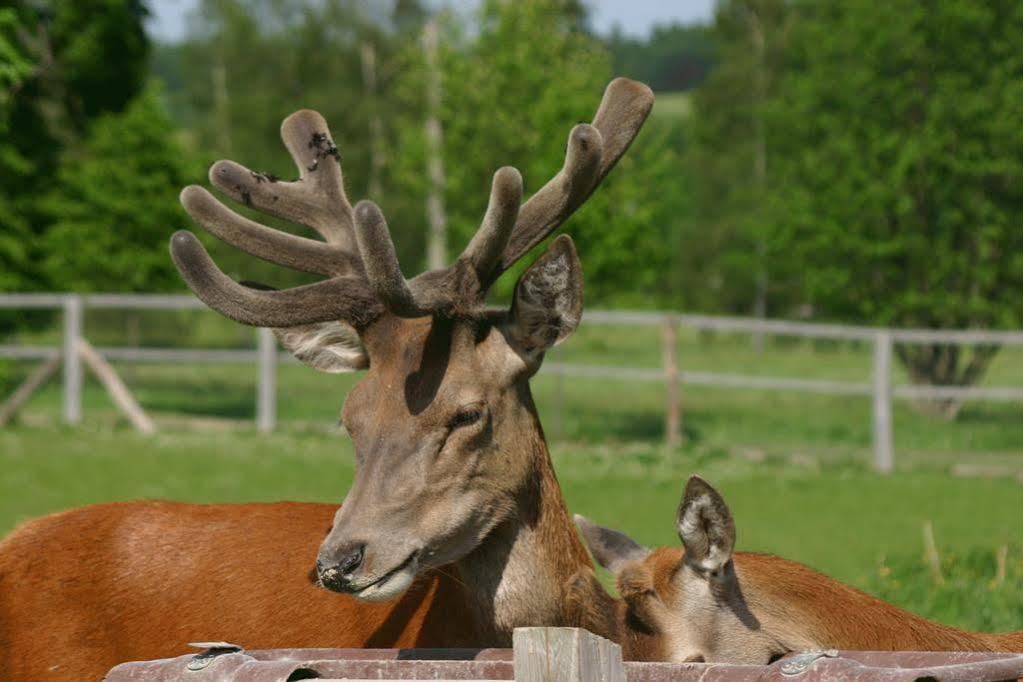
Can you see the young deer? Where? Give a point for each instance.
(455, 518)
(708, 603)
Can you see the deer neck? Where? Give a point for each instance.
(531, 569)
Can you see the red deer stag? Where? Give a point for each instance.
(706, 603)
(455, 515)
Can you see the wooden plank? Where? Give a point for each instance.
(27, 352)
(565, 655)
(32, 301)
(30, 385)
(178, 355)
(144, 302)
(119, 393)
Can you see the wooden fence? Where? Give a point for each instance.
(556, 655)
(878, 386)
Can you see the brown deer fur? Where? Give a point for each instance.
(680, 605)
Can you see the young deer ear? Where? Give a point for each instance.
(548, 302)
(612, 549)
(705, 526)
(327, 346)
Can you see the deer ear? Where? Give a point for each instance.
(705, 526)
(612, 549)
(548, 301)
(327, 346)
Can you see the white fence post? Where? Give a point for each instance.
(565, 655)
(266, 396)
(883, 454)
(72, 360)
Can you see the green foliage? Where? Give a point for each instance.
(865, 164)
(970, 595)
(115, 203)
(674, 57)
(509, 98)
(103, 52)
(85, 59)
(629, 233)
(897, 199)
(898, 196)
(15, 68)
(245, 66)
(725, 238)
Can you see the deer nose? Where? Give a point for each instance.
(336, 575)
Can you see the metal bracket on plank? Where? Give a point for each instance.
(797, 665)
(211, 650)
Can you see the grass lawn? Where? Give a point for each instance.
(793, 466)
(836, 516)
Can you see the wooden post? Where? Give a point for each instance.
(266, 395)
(565, 655)
(883, 454)
(119, 393)
(72, 361)
(673, 402)
(931, 553)
(1001, 559)
(30, 385)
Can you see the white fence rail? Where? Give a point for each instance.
(266, 357)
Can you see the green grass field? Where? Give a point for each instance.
(838, 517)
(794, 467)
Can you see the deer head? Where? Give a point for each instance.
(685, 605)
(443, 422)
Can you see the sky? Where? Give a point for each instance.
(634, 16)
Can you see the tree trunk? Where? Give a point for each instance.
(376, 127)
(759, 96)
(944, 365)
(436, 250)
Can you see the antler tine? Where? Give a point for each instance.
(486, 246)
(593, 150)
(438, 291)
(299, 253)
(317, 199)
(383, 272)
(344, 298)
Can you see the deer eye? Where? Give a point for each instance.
(467, 416)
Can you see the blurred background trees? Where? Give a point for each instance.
(838, 161)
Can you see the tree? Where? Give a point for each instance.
(245, 66)
(730, 160)
(513, 83)
(116, 202)
(15, 68)
(87, 59)
(899, 187)
(673, 57)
